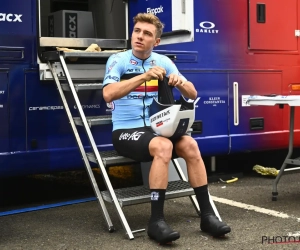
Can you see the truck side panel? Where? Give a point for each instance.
(261, 57)
(18, 31)
(4, 131)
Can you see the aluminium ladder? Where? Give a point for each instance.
(119, 197)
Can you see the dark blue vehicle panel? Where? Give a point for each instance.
(18, 31)
(4, 130)
(47, 123)
(212, 110)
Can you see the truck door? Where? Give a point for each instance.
(253, 128)
(272, 31)
(273, 25)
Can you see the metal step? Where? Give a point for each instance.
(110, 158)
(82, 42)
(141, 194)
(94, 120)
(54, 55)
(104, 54)
(82, 86)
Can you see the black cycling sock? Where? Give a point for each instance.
(203, 200)
(157, 204)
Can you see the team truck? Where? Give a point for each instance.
(228, 50)
(52, 64)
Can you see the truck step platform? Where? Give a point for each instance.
(74, 43)
(54, 56)
(94, 120)
(110, 158)
(141, 194)
(82, 86)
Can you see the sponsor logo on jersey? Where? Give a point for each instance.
(140, 96)
(133, 62)
(133, 70)
(111, 66)
(152, 62)
(117, 79)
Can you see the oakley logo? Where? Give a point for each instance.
(134, 136)
(4, 17)
(207, 25)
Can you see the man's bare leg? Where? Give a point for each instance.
(187, 148)
(161, 150)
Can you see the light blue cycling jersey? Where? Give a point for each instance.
(131, 111)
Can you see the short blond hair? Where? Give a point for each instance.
(150, 18)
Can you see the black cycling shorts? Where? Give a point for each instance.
(134, 143)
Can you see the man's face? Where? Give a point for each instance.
(144, 37)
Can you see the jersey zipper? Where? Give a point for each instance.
(145, 88)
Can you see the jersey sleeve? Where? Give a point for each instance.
(170, 67)
(114, 69)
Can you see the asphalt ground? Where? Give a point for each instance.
(257, 222)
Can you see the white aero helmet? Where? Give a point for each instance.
(172, 120)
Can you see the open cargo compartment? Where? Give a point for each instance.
(108, 23)
(75, 25)
(102, 21)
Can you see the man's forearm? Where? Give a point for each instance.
(188, 90)
(117, 90)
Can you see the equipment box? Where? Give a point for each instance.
(68, 23)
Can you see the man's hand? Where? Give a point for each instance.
(175, 80)
(155, 73)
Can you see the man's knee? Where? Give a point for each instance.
(161, 147)
(187, 146)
